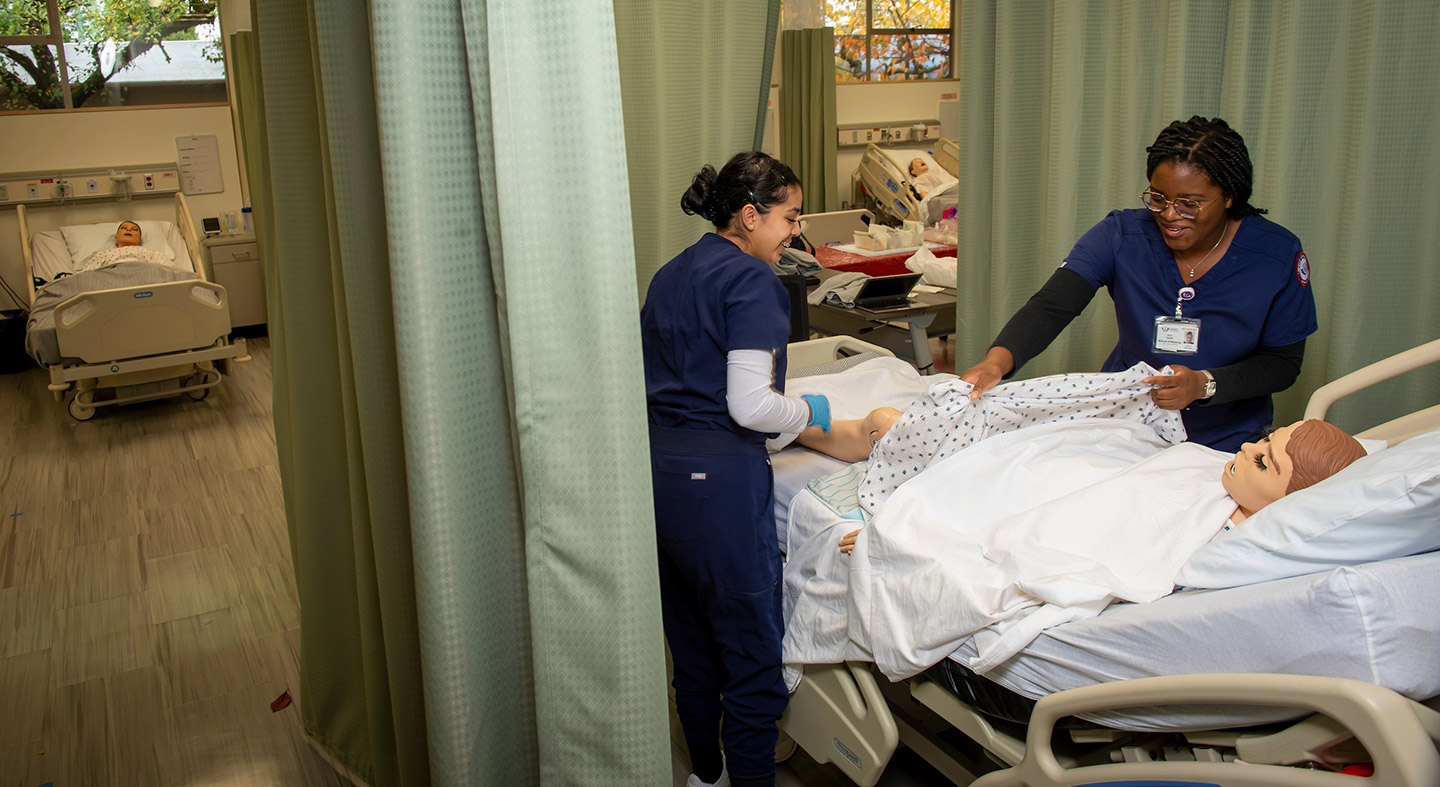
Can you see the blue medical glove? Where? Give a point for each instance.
(819, 411)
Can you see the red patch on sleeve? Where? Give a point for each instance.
(1302, 269)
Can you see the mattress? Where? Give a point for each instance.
(1375, 622)
(40, 340)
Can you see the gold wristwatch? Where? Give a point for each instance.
(1209, 384)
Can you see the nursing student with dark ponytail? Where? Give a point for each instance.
(713, 331)
(1200, 280)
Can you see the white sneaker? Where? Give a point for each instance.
(723, 781)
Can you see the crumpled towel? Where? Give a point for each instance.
(838, 290)
(795, 261)
(936, 271)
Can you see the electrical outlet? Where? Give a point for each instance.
(62, 189)
(149, 182)
(32, 190)
(4, 193)
(92, 186)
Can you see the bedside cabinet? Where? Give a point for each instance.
(233, 262)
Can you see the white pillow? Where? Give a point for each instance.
(82, 240)
(1383, 506)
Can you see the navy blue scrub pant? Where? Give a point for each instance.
(720, 595)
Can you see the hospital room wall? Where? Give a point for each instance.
(107, 139)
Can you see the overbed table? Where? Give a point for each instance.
(905, 332)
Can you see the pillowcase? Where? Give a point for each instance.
(1383, 506)
(82, 240)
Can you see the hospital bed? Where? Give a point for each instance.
(882, 183)
(1144, 674)
(131, 332)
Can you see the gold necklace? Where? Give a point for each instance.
(1192, 268)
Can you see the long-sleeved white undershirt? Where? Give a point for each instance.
(750, 394)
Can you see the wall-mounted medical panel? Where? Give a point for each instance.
(81, 185)
(889, 133)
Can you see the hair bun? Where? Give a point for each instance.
(698, 199)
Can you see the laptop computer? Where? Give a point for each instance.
(880, 293)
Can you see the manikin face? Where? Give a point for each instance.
(1197, 235)
(128, 234)
(1260, 472)
(918, 167)
(768, 233)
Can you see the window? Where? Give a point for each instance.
(67, 54)
(891, 40)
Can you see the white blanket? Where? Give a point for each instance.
(944, 419)
(1026, 530)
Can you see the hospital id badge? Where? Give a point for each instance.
(1177, 335)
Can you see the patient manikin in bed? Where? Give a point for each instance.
(1022, 531)
(1287, 460)
(127, 248)
(926, 181)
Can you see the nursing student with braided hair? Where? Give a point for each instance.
(1201, 282)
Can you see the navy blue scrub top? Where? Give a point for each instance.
(1256, 295)
(711, 299)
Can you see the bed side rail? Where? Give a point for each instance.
(1385, 723)
(814, 352)
(892, 186)
(129, 322)
(26, 254)
(947, 154)
(839, 715)
(1399, 429)
(186, 223)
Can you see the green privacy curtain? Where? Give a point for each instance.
(458, 404)
(695, 79)
(807, 117)
(1336, 103)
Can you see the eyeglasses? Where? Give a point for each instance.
(1187, 208)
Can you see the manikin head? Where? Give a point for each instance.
(1287, 460)
(127, 234)
(918, 167)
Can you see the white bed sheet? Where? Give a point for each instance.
(1376, 622)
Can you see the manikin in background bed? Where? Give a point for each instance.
(925, 181)
(127, 248)
(1025, 530)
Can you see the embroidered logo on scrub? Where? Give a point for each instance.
(1302, 269)
(697, 476)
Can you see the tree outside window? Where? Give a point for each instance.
(891, 40)
(65, 54)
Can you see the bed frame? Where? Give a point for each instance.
(135, 343)
(844, 714)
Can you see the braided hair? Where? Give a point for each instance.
(749, 178)
(1216, 149)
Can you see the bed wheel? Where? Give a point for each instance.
(196, 379)
(79, 410)
(785, 747)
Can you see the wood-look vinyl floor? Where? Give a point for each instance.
(148, 613)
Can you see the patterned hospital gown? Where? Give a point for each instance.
(944, 419)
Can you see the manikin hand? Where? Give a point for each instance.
(847, 544)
